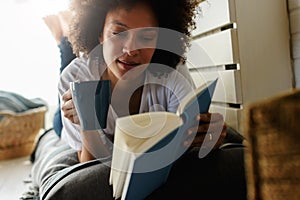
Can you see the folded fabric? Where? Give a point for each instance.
(14, 102)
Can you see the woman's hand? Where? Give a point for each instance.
(68, 107)
(211, 126)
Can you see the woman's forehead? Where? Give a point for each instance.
(138, 16)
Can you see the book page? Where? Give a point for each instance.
(128, 176)
(140, 132)
(119, 170)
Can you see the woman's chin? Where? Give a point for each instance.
(134, 72)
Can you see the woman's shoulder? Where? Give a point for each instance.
(181, 75)
(76, 65)
(174, 79)
(82, 69)
(75, 71)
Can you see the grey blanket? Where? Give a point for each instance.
(14, 102)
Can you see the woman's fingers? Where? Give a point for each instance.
(214, 139)
(67, 96)
(212, 126)
(68, 107)
(210, 117)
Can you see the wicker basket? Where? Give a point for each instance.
(18, 132)
(273, 157)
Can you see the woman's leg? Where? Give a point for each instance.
(57, 173)
(87, 181)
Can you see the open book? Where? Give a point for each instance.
(146, 145)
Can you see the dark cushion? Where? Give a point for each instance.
(218, 175)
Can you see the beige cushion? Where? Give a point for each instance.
(272, 128)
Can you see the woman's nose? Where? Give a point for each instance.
(130, 46)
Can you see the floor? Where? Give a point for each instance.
(15, 172)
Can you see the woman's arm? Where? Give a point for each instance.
(70, 113)
(93, 144)
(84, 155)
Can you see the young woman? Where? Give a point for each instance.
(129, 33)
(139, 46)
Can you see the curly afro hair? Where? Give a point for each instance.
(176, 15)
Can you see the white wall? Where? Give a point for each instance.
(294, 12)
(29, 56)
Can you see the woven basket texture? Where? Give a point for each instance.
(18, 132)
(272, 128)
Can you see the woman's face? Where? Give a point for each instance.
(129, 38)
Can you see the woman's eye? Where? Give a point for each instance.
(148, 38)
(120, 33)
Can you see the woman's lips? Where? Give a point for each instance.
(127, 65)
